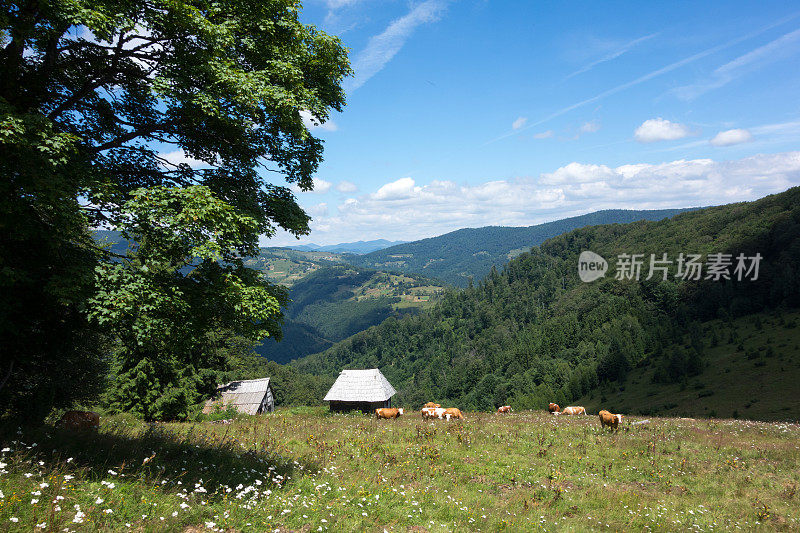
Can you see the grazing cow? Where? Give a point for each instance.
(609, 419)
(504, 410)
(453, 412)
(553, 408)
(77, 420)
(573, 410)
(432, 412)
(431, 405)
(388, 412)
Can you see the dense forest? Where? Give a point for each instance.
(534, 333)
(465, 254)
(334, 302)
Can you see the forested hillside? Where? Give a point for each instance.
(535, 333)
(457, 256)
(336, 301)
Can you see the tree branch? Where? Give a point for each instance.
(119, 141)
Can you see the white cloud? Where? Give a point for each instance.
(577, 173)
(659, 129)
(543, 135)
(405, 210)
(781, 48)
(517, 124)
(321, 186)
(396, 190)
(383, 47)
(178, 157)
(313, 123)
(318, 210)
(590, 127)
(346, 186)
(729, 137)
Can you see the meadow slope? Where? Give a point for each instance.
(306, 470)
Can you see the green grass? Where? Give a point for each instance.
(304, 469)
(755, 376)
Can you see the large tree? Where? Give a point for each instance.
(92, 95)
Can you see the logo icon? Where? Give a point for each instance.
(591, 266)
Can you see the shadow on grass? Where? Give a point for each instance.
(159, 455)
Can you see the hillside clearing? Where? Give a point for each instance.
(307, 470)
(750, 370)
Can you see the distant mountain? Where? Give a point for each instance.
(470, 253)
(359, 247)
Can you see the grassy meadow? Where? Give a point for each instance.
(307, 470)
(751, 369)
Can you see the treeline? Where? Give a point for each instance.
(535, 333)
(470, 253)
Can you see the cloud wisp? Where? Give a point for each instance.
(612, 55)
(383, 47)
(781, 48)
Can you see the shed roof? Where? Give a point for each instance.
(361, 386)
(246, 395)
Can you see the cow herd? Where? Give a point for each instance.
(606, 418)
(82, 420)
(431, 411)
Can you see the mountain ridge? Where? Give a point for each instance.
(466, 253)
(357, 247)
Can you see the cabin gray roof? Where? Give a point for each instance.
(361, 386)
(246, 395)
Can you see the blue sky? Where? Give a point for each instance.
(472, 113)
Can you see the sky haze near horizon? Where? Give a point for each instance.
(472, 113)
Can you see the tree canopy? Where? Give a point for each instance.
(94, 97)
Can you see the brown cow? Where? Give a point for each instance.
(573, 410)
(78, 420)
(553, 408)
(388, 412)
(453, 412)
(431, 405)
(609, 419)
(504, 410)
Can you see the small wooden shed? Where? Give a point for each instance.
(364, 390)
(249, 396)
